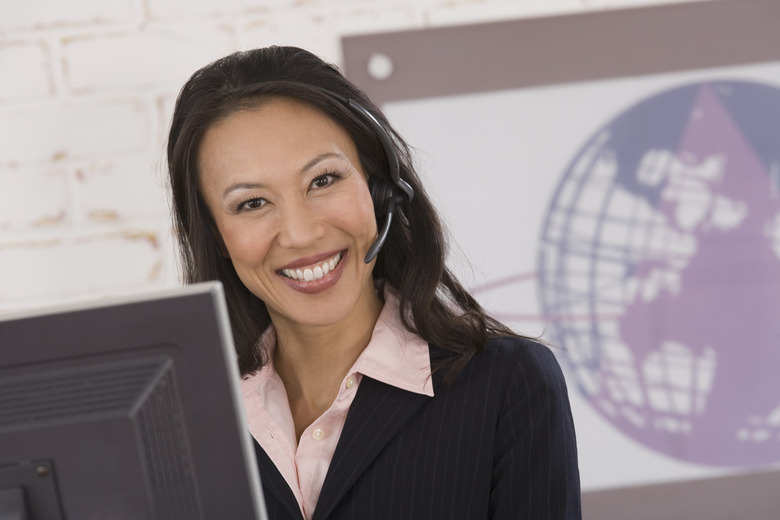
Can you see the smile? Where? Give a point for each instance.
(314, 272)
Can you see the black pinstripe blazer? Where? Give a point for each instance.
(497, 443)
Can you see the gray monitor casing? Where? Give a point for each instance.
(125, 409)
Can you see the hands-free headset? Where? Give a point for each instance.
(381, 192)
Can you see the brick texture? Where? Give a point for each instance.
(54, 14)
(57, 266)
(26, 72)
(33, 198)
(52, 132)
(152, 58)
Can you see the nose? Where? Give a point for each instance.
(300, 225)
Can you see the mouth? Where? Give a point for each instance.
(315, 271)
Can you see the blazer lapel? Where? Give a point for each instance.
(378, 412)
(274, 482)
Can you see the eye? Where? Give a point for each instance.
(326, 179)
(251, 204)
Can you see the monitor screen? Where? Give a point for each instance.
(125, 409)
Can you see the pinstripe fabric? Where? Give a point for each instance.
(497, 443)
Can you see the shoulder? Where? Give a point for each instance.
(512, 361)
(524, 355)
(531, 369)
(518, 356)
(519, 348)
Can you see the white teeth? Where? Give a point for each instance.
(309, 274)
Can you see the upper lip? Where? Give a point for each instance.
(306, 261)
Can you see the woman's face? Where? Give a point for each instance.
(292, 206)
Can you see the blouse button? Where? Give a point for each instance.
(350, 382)
(318, 434)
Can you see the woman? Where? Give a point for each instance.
(375, 386)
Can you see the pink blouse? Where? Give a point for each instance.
(394, 356)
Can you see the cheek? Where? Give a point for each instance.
(359, 217)
(244, 246)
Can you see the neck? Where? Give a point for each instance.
(312, 361)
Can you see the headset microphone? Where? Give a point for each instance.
(380, 240)
(381, 192)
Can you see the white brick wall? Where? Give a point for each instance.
(80, 266)
(152, 57)
(33, 197)
(86, 92)
(38, 15)
(25, 69)
(54, 131)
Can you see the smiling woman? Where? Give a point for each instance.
(375, 386)
(291, 204)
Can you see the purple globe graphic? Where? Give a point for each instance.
(659, 268)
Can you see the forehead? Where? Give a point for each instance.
(280, 133)
(276, 119)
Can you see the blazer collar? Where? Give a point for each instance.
(378, 412)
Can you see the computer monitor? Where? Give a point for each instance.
(125, 409)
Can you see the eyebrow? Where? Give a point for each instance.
(321, 157)
(240, 186)
(306, 167)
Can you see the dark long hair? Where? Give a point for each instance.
(433, 304)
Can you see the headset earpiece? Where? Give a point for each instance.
(380, 192)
